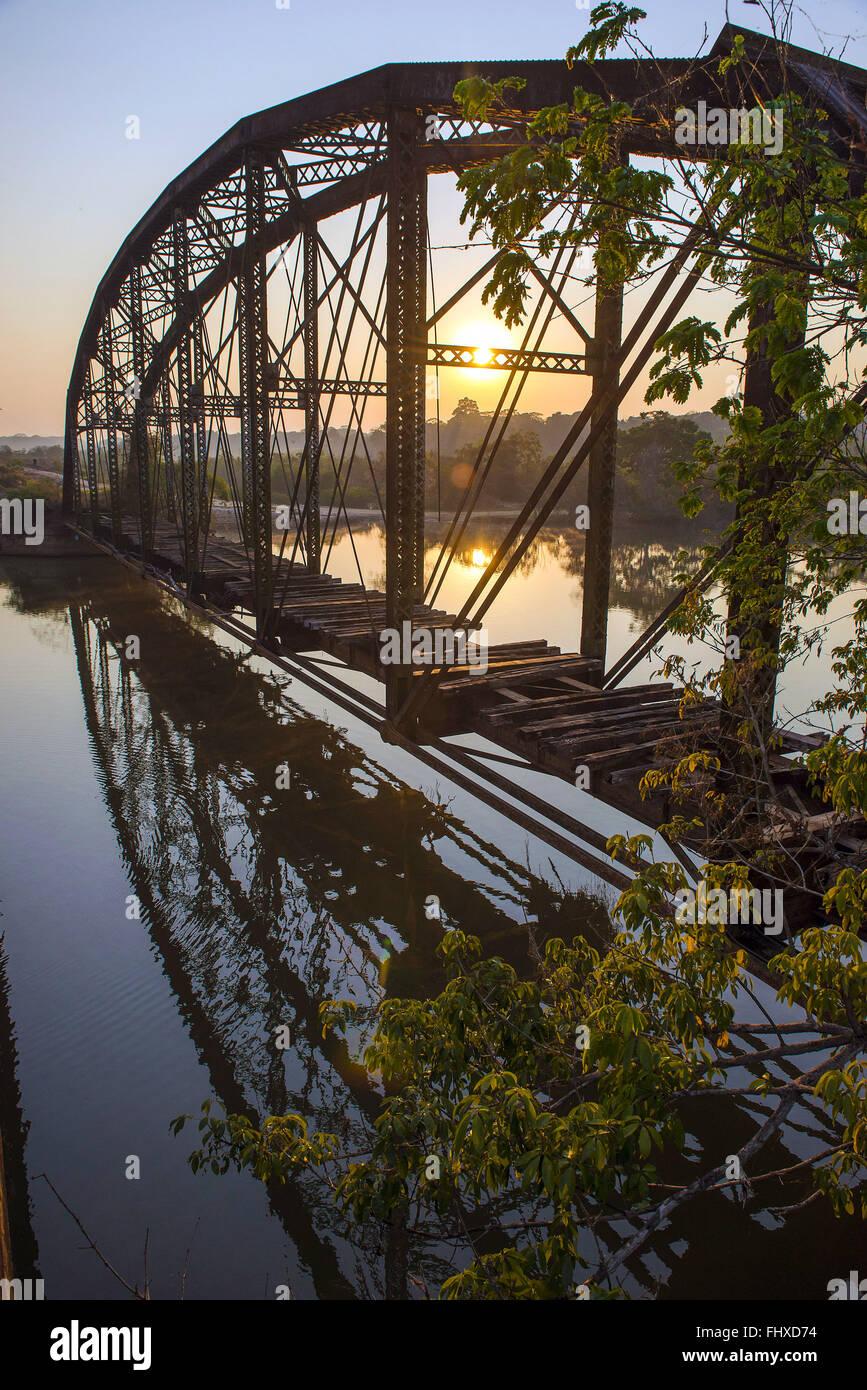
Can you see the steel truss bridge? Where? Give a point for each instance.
(288, 273)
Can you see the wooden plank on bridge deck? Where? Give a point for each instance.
(551, 706)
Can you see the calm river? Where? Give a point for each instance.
(155, 781)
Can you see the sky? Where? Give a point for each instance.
(72, 73)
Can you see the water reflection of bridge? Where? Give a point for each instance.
(262, 902)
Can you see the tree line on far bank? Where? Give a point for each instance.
(648, 450)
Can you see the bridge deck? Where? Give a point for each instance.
(533, 700)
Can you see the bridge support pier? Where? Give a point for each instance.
(406, 337)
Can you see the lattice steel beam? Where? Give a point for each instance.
(289, 394)
(504, 359)
(197, 401)
(311, 396)
(139, 442)
(327, 170)
(165, 427)
(406, 338)
(253, 362)
(331, 386)
(90, 440)
(111, 435)
(186, 418)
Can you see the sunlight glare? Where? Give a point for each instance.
(484, 338)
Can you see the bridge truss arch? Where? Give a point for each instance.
(286, 275)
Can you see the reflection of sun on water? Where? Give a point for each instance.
(480, 559)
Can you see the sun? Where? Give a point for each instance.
(485, 337)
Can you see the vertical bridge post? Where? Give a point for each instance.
(71, 505)
(253, 358)
(601, 471)
(406, 339)
(139, 444)
(311, 396)
(189, 483)
(197, 392)
(110, 404)
(90, 443)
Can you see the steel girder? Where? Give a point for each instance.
(406, 335)
(197, 397)
(312, 389)
(504, 359)
(186, 422)
(111, 435)
(139, 441)
(172, 503)
(253, 364)
(90, 439)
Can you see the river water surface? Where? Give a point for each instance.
(154, 780)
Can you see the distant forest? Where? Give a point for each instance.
(648, 447)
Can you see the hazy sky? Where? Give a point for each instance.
(73, 70)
